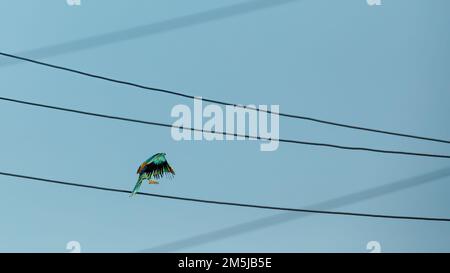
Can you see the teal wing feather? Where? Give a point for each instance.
(158, 159)
(157, 167)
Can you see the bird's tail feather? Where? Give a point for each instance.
(137, 186)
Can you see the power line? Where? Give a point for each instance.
(285, 217)
(222, 133)
(399, 217)
(180, 94)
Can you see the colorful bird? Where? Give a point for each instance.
(153, 168)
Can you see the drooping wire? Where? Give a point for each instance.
(214, 202)
(222, 133)
(180, 94)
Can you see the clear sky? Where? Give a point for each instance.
(377, 66)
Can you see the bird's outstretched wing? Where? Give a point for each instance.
(151, 159)
(139, 171)
(158, 169)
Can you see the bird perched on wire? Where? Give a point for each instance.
(152, 169)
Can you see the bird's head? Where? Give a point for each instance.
(163, 155)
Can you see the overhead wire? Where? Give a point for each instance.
(234, 204)
(185, 95)
(160, 124)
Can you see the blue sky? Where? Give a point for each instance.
(382, 67)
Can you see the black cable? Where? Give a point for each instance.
(223, 133)
(400, 217)
(225, 103)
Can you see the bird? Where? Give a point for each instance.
(152, 169)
